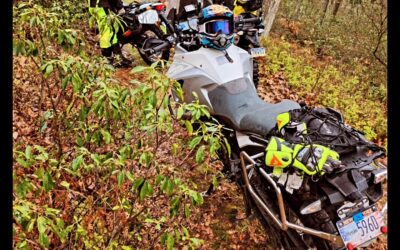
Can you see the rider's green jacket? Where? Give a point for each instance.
(99, 9)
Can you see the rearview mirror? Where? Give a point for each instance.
(193, 23)
(189, 8)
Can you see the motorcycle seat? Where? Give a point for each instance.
(238, 104)
(261, 118)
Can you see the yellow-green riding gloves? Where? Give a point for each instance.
(281, 154)
(315, 159)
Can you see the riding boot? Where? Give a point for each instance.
(107, 53)
(122, 61)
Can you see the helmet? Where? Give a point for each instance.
(216, 27)
(250, 5)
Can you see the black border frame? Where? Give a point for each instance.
(6, 124)
(393, 125)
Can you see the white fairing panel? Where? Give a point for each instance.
(244, 140)
(205, 69)
(148, 17)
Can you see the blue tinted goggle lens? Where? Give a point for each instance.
(219, 26)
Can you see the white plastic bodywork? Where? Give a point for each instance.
(148, 17)
(244, 140)
(205, 69)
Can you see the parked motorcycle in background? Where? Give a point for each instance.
(185, 25)
(313, 181)
(147, 29)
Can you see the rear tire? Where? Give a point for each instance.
(289, 239)
(320, 221)
(278, 239)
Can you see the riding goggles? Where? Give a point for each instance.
(216, 27)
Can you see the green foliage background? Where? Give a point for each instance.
(336, 60)
(102, 176)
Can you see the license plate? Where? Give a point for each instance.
(257, 52)
(361, 227)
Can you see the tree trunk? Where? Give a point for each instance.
(325, 11)
(269, 16)
(297, 10)
(336, 7)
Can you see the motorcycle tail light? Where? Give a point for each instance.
(350, 246)
(160, 7)
(127, 33)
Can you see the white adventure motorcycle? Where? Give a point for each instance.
(332, 205)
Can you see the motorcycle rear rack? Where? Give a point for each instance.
(282, 221)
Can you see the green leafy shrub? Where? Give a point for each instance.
(102, 181)
(324, 84)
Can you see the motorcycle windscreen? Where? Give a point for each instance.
(148, 17)
(219, 27)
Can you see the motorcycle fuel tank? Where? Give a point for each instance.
(205, 69)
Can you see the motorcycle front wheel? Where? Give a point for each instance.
(152, 36)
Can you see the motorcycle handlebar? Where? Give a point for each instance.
(248, 20)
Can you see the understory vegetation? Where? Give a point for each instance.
(325, 84)
(334, 53)
(87, 170)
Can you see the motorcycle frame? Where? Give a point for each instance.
(282, 221)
